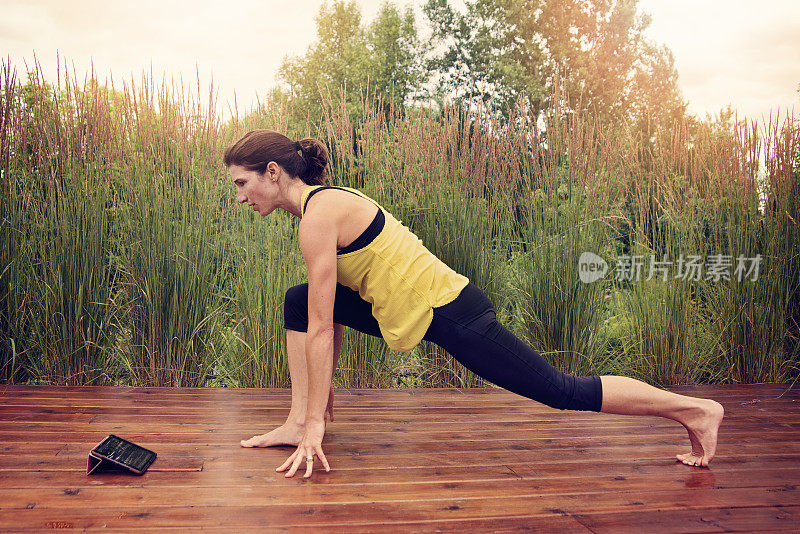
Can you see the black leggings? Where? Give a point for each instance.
(467, 328)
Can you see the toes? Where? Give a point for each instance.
(692, 459)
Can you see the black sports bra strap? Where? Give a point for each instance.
(326, 187)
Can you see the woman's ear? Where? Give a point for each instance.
(273, 171)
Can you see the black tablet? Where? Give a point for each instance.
(123, 453)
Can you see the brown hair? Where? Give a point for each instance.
(306, 159)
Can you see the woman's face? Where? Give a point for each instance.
(254, 189)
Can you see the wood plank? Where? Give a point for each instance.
(357, 513)
(759, 519)
(501, 399)
(742, 433)
(214, 493)
(733, 393)
(266, 462)
(199, 422)
(388, 443)
(743, 468)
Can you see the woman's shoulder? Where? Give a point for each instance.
(314, 194)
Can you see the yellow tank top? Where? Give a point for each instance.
(401, 278)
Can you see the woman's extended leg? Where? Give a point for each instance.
(700, 417)
(467, 328)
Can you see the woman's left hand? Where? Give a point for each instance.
(310, 444)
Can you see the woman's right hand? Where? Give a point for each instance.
(329, 409)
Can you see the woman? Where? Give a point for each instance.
(369, 272)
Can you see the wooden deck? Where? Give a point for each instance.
(401, 460)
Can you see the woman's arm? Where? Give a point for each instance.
(318, 245)
(318, 239)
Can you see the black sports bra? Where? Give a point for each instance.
(367, 236)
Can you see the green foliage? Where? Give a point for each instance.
(171, 284)
(501, 50)
(382, 58)
(59, 282)
(266, 263)
(395, 67)
(559, 313)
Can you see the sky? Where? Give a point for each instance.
(738, 52)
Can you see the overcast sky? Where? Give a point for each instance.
(741, 52)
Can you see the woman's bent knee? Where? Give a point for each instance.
(295, 308)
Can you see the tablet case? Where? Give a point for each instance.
(130, 458)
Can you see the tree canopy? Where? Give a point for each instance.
(503, 49)
(503, 53)
(384, 57)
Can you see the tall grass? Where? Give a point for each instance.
(71, 281)
(657, 309)
(171, 284)
(266, 265)
(58, 277)
(124, 260)
(702, 198)
(565, 212)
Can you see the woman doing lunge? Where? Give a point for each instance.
(369, 272)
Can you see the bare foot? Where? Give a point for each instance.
(702, 427)
(286, 434)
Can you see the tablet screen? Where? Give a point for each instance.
(125, 452)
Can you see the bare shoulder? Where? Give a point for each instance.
(329, 201)
(317, 221)
(318, 227)
(340, 212)
(329, 207)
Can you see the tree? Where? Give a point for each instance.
(336, 61)
(382, 57)
(502, 49)
(396, 68)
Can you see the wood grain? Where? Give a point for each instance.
(402, 460)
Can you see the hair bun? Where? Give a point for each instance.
(315, 156)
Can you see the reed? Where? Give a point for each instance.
(754, 317)
(564, 212)
(58, 273)
(657, 305)
(125, 260)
